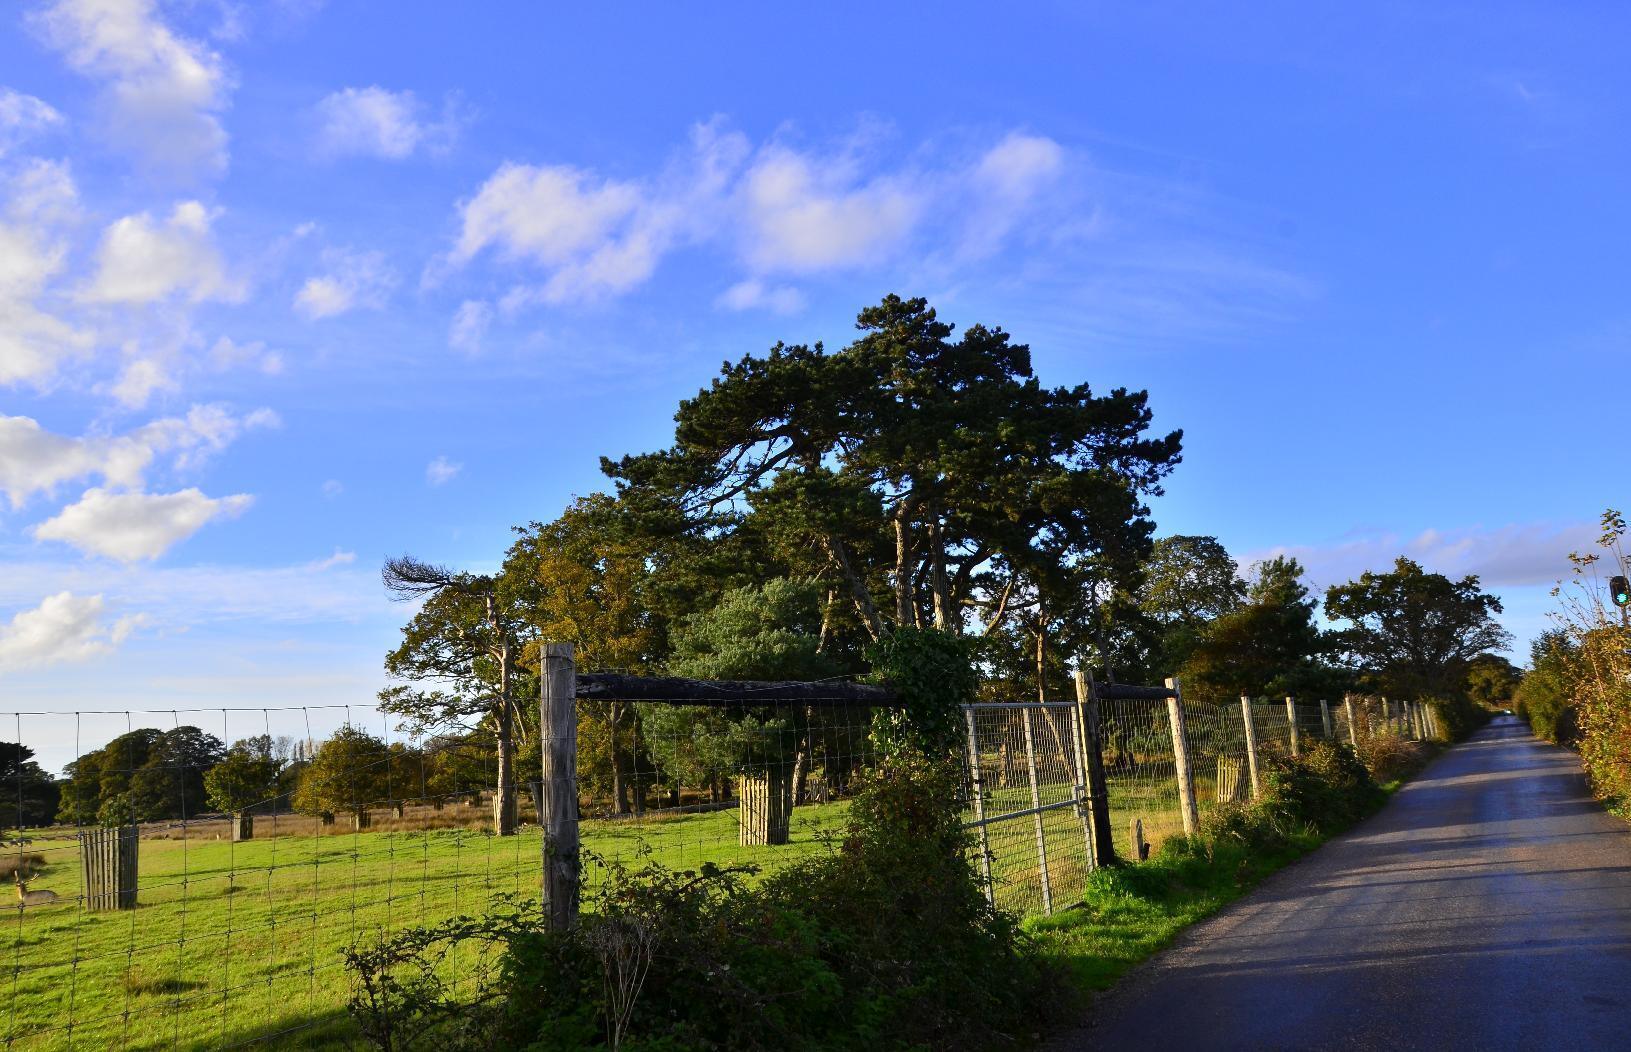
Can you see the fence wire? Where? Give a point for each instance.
(240, 940)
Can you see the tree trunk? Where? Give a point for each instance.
(1041, 656)
(620, 786)
(863, 599)
(504, 804)
(903, 562)
(938, 584)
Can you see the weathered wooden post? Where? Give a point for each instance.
(1036, 805)
(1251, 742)
(1325, 718)
(107, 859)
(1291, 721)
(1353, 727)
(243, 827)
(977, 787)
(558, 740)
(1180, 757)
(1088, 715)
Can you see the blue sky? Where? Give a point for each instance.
(289, 287)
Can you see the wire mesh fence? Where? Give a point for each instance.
(240, 919)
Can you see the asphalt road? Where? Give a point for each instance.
(1488, 906)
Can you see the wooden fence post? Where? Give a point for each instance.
(1325, 718)
(977, 783)
(1251, 742)
(1353, 728)
(1291, 719)
(107, 859)
(1088, 715)
(558, 806)
(1180, 757)
(1036, 803)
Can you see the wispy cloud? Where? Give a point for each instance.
(1516, 555)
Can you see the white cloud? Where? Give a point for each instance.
(21, 116)
(469, 327)
(139, 380)
(754, 294)
(136, 526)
(549, 215)
(228, 355)
(339, 558)
(805, 213)
(1004, 185)
(141, 261)
(40, 201)
(36, 461)
(1515, 555)
(782, 209)
(598, 237)
(378, 123)
(350, 280)
(441, 470)
(164, 93)
(333, 488)
(63, 628)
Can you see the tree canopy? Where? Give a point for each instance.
(1412, 632)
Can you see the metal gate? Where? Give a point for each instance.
(1028, 803)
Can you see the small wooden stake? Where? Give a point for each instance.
(1291, 719)
(1325, 718)
(1353, 725)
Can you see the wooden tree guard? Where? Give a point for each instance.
(108, 861)
(765, 805)
(1251, 743)
(361, 820)
(1180, 757)
(558, 807)
(243, 828)
(1231, 790)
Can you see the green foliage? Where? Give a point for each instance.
(28, 796)
(1415, 633)
(1326, 787)
(886, 942)
(1545, 696)
(141, 776)
(246, 776)
(772, 631)
(932, 675)
(1268, 645)
(347, 775)
(1492, 681)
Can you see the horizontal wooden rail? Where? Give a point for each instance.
(615, 686)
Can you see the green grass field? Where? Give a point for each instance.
(233, 942)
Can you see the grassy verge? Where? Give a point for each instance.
(1133, 911)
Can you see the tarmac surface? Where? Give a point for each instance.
(1487, 906)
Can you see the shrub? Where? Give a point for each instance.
(1326, 787)
(1388, 756)
(886, 942)
(1458, 716)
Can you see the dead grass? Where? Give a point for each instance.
(1389, 757)
(14, 864)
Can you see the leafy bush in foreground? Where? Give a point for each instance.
(887, 942)
(1326, 786)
